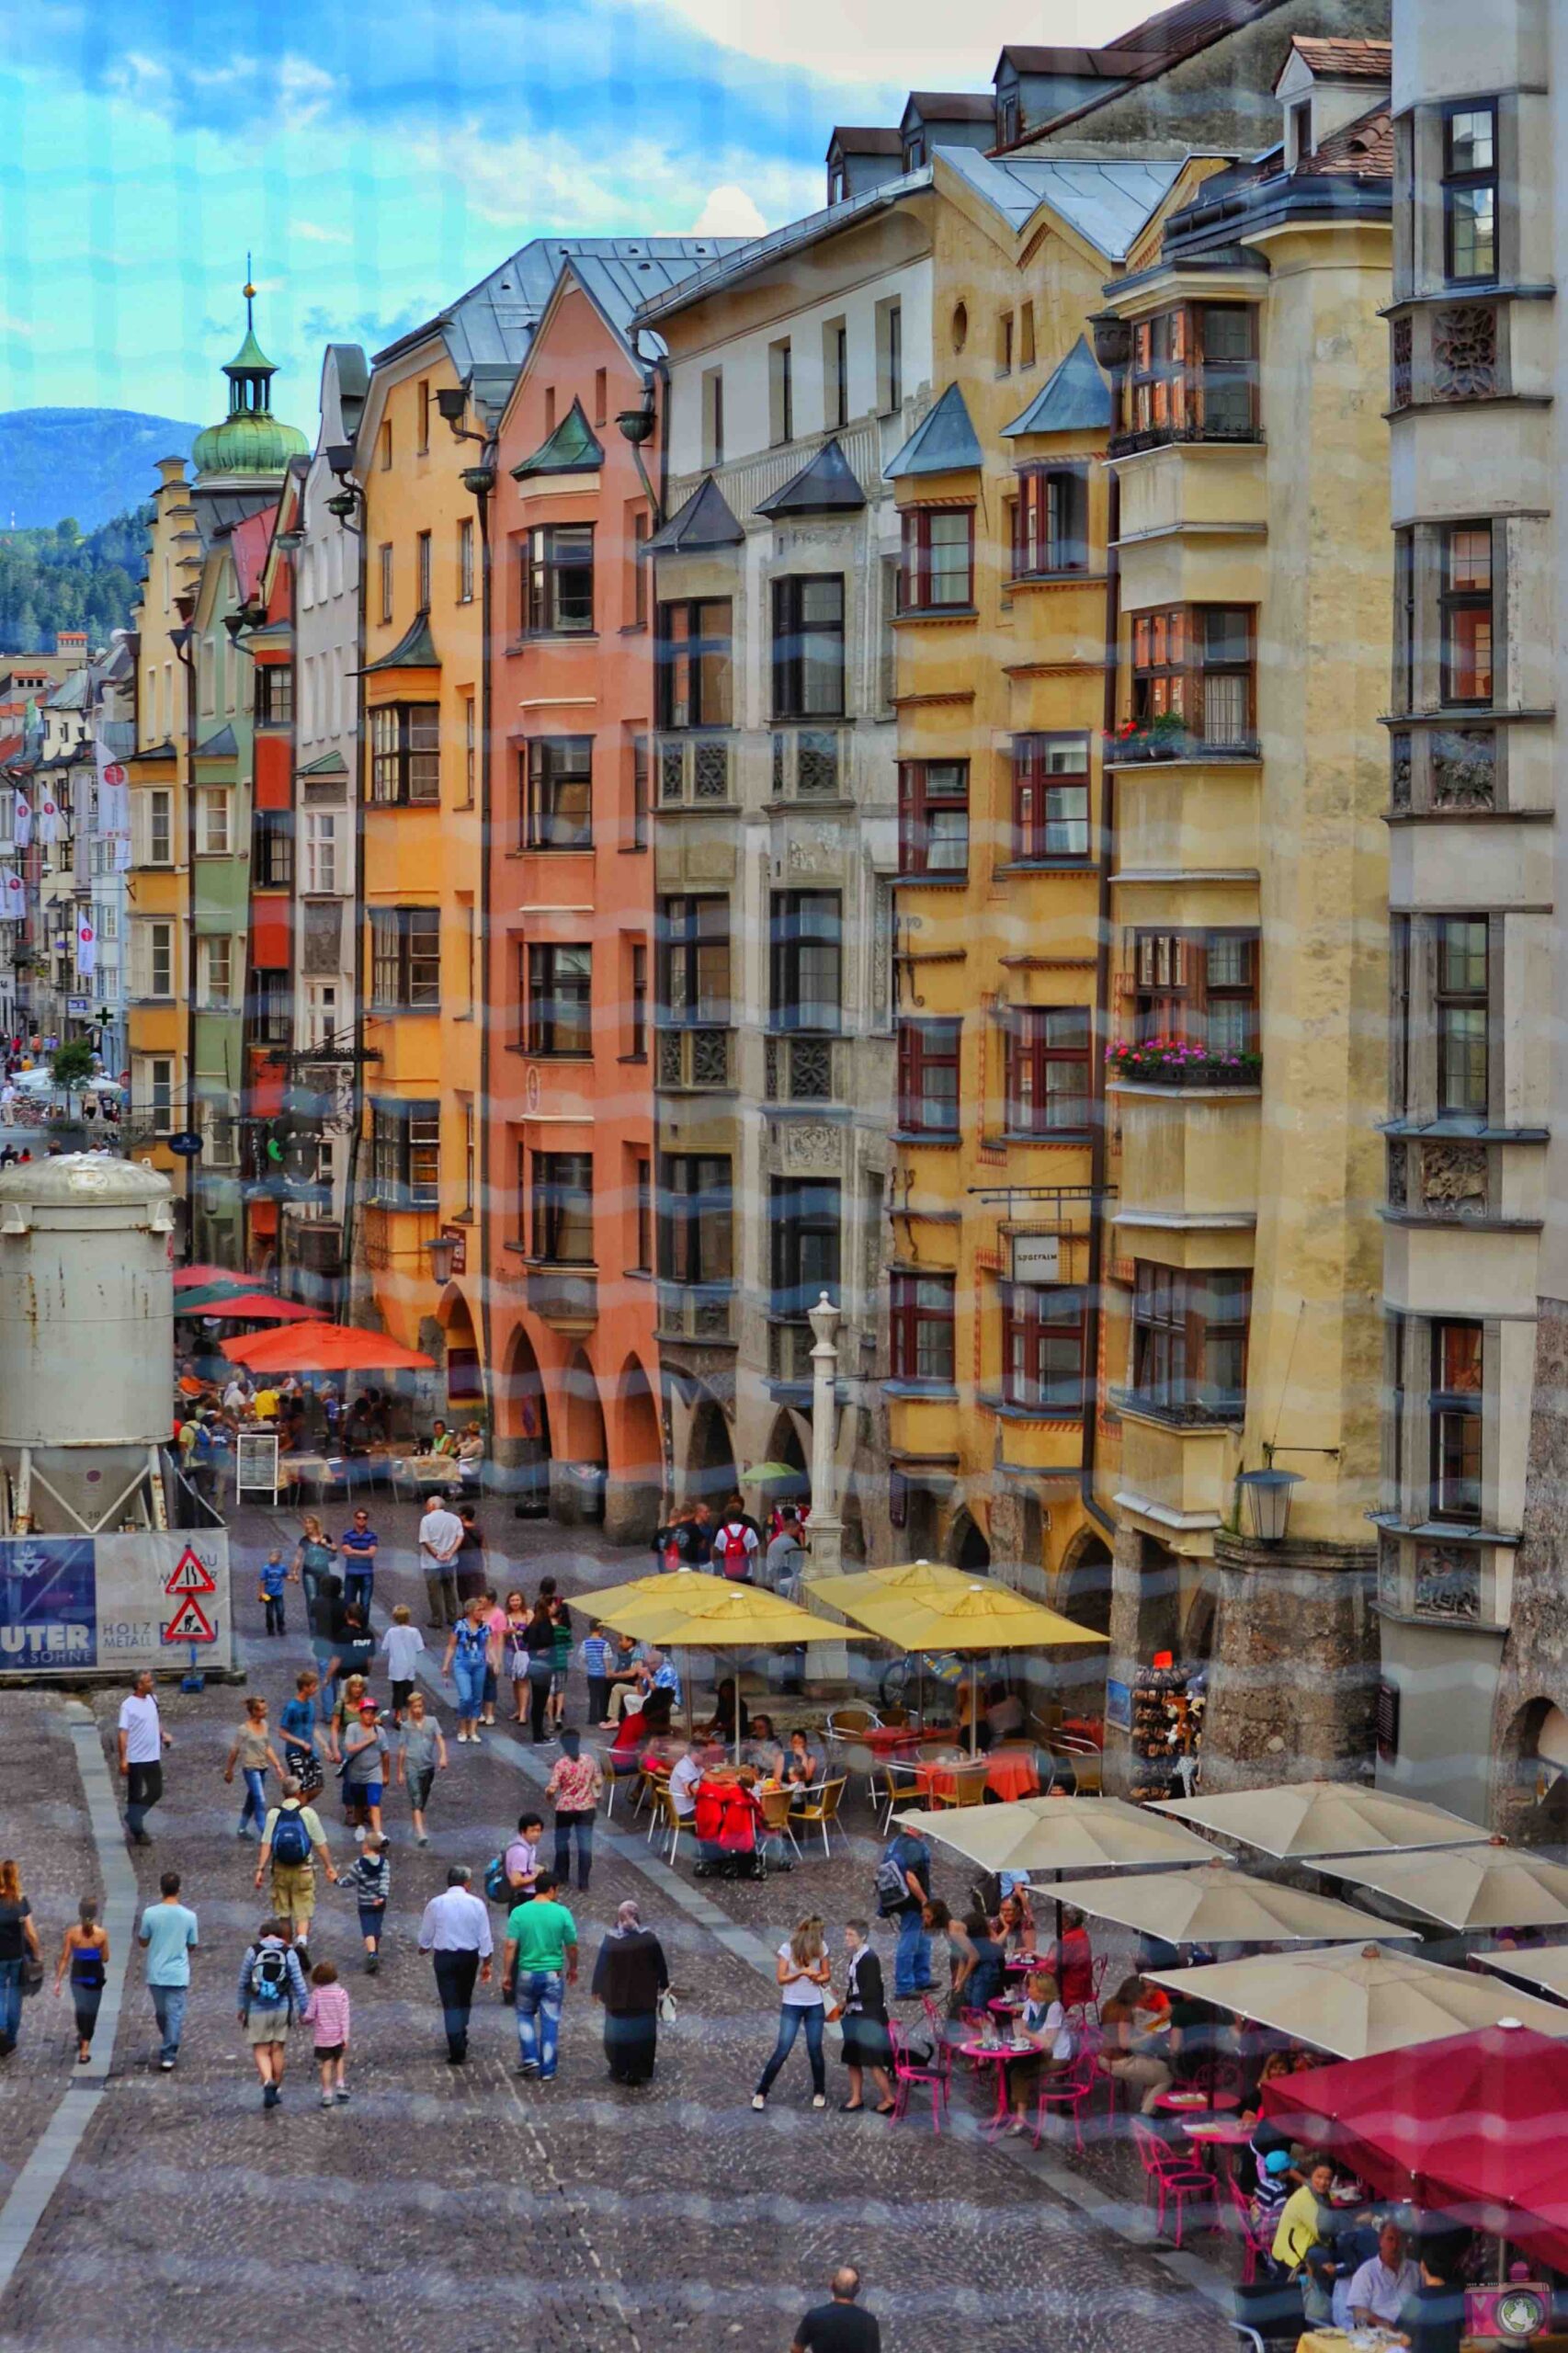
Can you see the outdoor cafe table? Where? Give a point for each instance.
(1010, 1773)
(1001, 2054)
(1197, 2102)
(1223, 2134)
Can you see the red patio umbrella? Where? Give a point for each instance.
(323, 1348)
(259, 1307)
(1471, 2126)
(196, 1278)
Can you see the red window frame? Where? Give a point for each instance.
(923, 586)
(1040, 1042)
(923, 1047)
(1042, 1323)
(921, 1307)
(931, 789)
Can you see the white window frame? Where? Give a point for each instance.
(321, 853)
(215, 814)
(215, 973)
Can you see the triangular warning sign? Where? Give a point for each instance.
(191, 1575)
(189, 1625)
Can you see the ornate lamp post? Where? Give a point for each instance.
(825, 1529)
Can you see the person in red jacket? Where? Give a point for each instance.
(1072, 1962)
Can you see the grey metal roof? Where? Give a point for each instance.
(117, 736)
(944, 441)
(71, 694)
(1107, 203)
(756, 254)
(416, 650)
(1074, 398)
(706, 521)
(221, 747)
(826, 485)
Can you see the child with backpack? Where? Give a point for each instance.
(271, 1989)
(327, 2012)
(735, 1547)
(369, 1875)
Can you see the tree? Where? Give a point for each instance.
(71, 1066)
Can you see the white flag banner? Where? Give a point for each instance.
(22, 820)
(13, 895)
(122, 853)
(87, 948)
(47, 820)
(114, 792)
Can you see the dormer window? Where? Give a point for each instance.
(836, 190)
(913, 150)
(1006, 117)
(1297, 133)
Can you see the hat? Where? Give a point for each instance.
(1278, 2161)
(368, 1708)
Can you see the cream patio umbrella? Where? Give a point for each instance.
(1304, 1819)
(1545, 1966)
(1218, 1905)
(1468, 1888)
(1059, 1834)
(1355, 2001)
(921, 1617)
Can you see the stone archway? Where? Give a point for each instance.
(521, 1436)
(967, 1545)
(636, 1483)
(465, 1380)
(710, 1454)
(579, 1476)
(786, 1445)
(1083, 1594)
(1530, 1796)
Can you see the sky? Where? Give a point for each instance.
(377, 159)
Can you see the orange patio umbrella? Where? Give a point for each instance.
(323, 1348)
(259, 1307)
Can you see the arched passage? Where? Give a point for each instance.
(465, 1384)
(636, 1482)
(710, 1456)
(967, 1547)
(785, 1444)
(521, 1441)
(1084, 1594)
(1531, 1796)
(579, 1477)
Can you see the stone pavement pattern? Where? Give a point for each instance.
(447, 2208)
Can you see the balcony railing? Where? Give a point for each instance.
(789, 1349)
(1181, 1413)
(1165, 436)
(699, 1314)
(695, 771)
(567, 1297)
(810, 764)
(696, 1061)
(802, 1070)
(1146, 745)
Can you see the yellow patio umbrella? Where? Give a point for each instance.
(985, 1617)
(1301, 1819)
(1357, 2002)
(1218, 1905)
(906, 1581)
(1468, 1888)
(1059, 1834)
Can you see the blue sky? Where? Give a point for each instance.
(380, 158)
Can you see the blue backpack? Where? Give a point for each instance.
(290, 1838)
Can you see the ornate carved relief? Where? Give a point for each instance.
(812, 849)
(814, 1146)
(1448, 1582)
(1453, 1179)
(1398, 771)
(1389, 1586)
(1464, 767)
(1464, 352)
(1399, 362)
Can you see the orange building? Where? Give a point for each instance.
(569, 937)
(268, 1005)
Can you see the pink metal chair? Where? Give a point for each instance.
(1256, 2244)
(1169, 2177)
(1071, 2087)
(908, 2072)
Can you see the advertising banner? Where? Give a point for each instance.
(110, 1604)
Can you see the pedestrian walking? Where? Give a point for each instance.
(401, 1646)
(495, 1622)
(275, 1574)
(867, 2043)
(325, 1616)
(271, 1991)
(515, 1653)
(440, 1534)
(169, 1935)
(520, 1863)
(467, 1654)
(595, 1655)
(142, 1740)
(839, 2325)
(356, 1652)
(313, 1556)
(365, 1770)
(369, 1875)
(84, 1953)
(538, 1643)
(455, 1932)
(358, 1545)
(251, 1753)
(329, 2015)
(803, 1987)
(468, 1567)
(560, 1661)
(421, 1753)
(574, 1788)
(631, 1979)
(902, 1889)
(292, 1843)
(19, 1948)
(343, 1715)
(540, 1962)
(786, 1554)
(301, 1756)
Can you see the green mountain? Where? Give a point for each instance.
(90, 463)
(63, 578)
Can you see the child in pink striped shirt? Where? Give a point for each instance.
(327, 2012)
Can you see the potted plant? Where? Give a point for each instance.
(1164, 738)
(1176, 1062)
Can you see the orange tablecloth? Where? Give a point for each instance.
(1007, 1775)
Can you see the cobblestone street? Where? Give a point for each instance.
(447, 2208)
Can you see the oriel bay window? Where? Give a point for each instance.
(1046, 1070)
(1043, 1348)
(803, 1214)
(921, 1324)
(1470, 193)
(933, 818)
(808, 646)
(405, 1155)
(1051, 521)
(696, 1214)
(1466, 605)
(558, 804)
(405, 754)
(1199, 988)
(1194, 663)
(807, 957)
(937, 569)
(558, 580)
(1454, 1414)
(928, 1078)
(694, 962)
(1051, 798)
(405, 958)
(1460, 1000)
(1190, 1335)
(563, 1206)
(696, 686)
(559, 999)
(1194, 375)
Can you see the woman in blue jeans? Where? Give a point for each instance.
(802, 1996)
(470, 1650)
(18, 1938)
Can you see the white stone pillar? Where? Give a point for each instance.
(825, 1529)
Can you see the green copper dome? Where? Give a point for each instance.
(250, 440)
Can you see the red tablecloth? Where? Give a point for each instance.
(1009, 1774)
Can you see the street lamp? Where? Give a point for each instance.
(1268, 1501)
(443, 1249)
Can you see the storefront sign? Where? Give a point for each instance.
(1037, 1258)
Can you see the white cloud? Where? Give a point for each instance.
(550, 183)
(729, 212)
(910, 44)
(315, 234)
(10, 324)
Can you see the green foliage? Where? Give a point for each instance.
(71, 1066)
(60, 578)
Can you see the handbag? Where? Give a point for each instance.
(668, 2008)
(32, 1979)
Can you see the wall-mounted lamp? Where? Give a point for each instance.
(1268, 1495)
(637, 426)
(443, 1249)
(341, 504)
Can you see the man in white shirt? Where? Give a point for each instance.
(440, 1533)
(683, 1779)
(1385, 2283)
(141, 1743)
(455, 1932)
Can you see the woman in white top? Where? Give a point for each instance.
(802, 1995)
(1043, 2022)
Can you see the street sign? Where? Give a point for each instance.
(190, 1575)
(189, 1624)
(186, 1143)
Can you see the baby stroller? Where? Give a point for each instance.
(729, 1818)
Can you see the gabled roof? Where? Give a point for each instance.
(706, 521)
(416, 650)
(951, 106)
(329, 763)
(221, 747)
(1077, 64)
(1074, 398)
(1107, 203)
(1345, 61)
(760, 252)
(944, 442)
(827, 486)
(572, 448)
(858, 139)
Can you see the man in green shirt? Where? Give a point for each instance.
(539, 1962)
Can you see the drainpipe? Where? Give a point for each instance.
(183, 641)
(481, 489)
(356, 1029)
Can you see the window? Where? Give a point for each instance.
(695, 675)
(160, 826)
(808, 646)
(152, 960)
(1454, 1414)
(558, 803)
(642, 1261)
(1466, 605)
(559, 999)
(601, 395)
(465, 560)
(406, 754)
(696, 1218)
(422, 396)
(1297, 133)
(938, 559)
(214, 973)
(1004, 344)
(564, 1208)
(639, 791)
(1194, 375)
(933, 818)
(1403, 621)
(406, 960)
(272, 849)
(928, 1078)
(1194, 663)
(212, 804)
(889, 357)
(269, 1006)
(405, 1155)
(1051, 521)
(470, 749)
(1043, 1348)
(694, 962)
(638, 1001)
(803, 1214)
(781, 392)
(1006, 117)
(274, 694)
(384, 445)
(558, 580)
(421, 572)
(1189, 1341)
(921, 1328)
(1460, 993)
(384, 569)
(154, 1090)
(320, 1013)
(836, 374)
(806, 959)
(837, 187)
(1470, 194)
(321, 853)
(1051, 798)
(470, 1158)
(913, 150)
(1399, 1015)
(1025, 336)
(1197, 987)
(713, 417)
(1046, 1070)
(642, 525)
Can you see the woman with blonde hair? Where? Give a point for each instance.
(803, 1991)
(18, 1944)
(351, 1696)
(312, 1556)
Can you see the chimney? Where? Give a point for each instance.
(71, 641)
